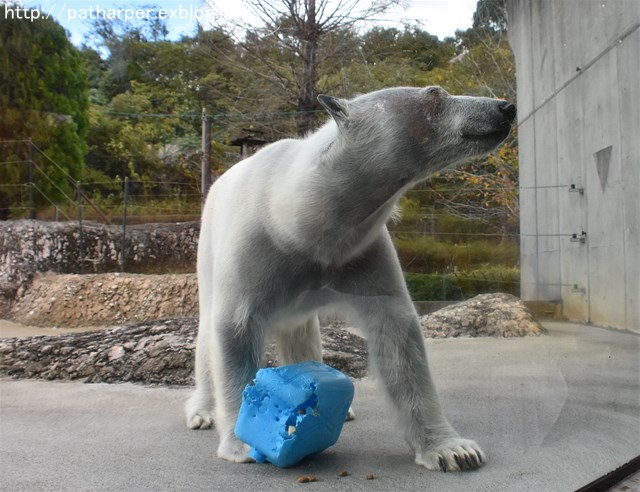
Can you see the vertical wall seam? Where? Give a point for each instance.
(559, 239)
(585, 171)
(627, 321)
(535, 159)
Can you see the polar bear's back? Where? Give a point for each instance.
(245, 181)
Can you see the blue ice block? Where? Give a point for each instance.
(291, 412)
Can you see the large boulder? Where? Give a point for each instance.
(486, 315)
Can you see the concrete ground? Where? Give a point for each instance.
(553, 413)
(10, 329)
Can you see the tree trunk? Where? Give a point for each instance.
(310, 38)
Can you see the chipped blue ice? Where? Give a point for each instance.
(293, 411)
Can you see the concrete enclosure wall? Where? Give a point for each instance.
(578, 75)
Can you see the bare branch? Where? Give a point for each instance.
(299, 27)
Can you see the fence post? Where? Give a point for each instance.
(444, 287)
(80, 233)
(124, 224)
(32, 207)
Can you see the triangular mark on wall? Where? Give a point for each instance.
(603, 161)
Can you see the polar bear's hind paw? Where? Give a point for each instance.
(452, 455)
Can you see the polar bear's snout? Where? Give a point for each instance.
(484, 122)
(508, 110)
(489, 118)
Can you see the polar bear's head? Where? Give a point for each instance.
(425, 130)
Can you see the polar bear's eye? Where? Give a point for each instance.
(436, 91)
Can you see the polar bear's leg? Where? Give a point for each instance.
(236, 355)
(300, 343)
(381, 302)
(199, 407)
(397, 350)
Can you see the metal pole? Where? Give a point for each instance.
(206, 154)
(80, 233)
(124, 224)
(32, 207)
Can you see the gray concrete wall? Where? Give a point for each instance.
(578, 75)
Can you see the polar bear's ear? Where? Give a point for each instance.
(337, 108)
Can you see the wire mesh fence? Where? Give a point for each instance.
(445, 256)
(34, 186)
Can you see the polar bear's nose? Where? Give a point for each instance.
(508, 109)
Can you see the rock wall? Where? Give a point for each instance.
(156, 352)
(159, 352)
(27, 247)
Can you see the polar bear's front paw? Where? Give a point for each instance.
(198, 416)
(200, 420)
(232, 449)
(454, 454)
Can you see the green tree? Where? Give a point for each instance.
(147, 95)
(481, 195)
(391, 56)
(129, 47)
(43, 96)
(490, 16)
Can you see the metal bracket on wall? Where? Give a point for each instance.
(579, 238)
(574, 189)
(576, 289)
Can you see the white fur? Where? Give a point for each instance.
(300, 228)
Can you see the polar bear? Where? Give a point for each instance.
(299, 228)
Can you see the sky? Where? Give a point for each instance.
(439, 17)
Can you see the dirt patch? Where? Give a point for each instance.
(112, 299)
(105, 299)
(157, 342)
